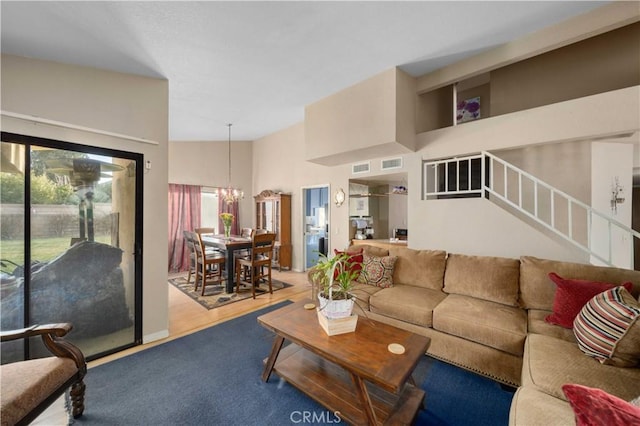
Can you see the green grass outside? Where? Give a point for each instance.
(42, 249)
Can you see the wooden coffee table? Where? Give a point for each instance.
(363, 382)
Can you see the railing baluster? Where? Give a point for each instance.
(520, 189)
(570, 214)
(553, 208)
(469, 162)
(446, 177)
(535, 199)
(589, 227)
(504, 169)
(482, 178)
(610, 242)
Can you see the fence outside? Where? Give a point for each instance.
(51, 220)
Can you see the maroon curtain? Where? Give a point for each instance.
(232, 208)
(184, 215)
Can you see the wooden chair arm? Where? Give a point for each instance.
(57, 330)
(52, 337)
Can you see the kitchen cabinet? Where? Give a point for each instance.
(273, 213)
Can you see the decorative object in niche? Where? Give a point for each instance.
(399, 189)
(617, 197)
(339, 197)
(468, 110)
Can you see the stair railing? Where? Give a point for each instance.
(487, 176)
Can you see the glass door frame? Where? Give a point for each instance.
(305, 194)
(28, 142)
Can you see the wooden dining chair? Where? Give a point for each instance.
(207, 231)
(258, 264)
(244, 254)
(247, 232)
(209, 266)
(190, 241)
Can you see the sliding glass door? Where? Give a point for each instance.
(71, 243)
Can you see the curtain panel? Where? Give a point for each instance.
(184, 215)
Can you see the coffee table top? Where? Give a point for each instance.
(363, 352)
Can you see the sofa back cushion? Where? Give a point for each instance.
(537, 291)
(419, 268)
(367, 249)
(490, 278)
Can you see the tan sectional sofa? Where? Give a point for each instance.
(486, 314)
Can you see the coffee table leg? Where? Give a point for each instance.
(361, 388)
(275, 350)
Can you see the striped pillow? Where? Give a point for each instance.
(608, 328)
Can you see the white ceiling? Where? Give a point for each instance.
(257, 64)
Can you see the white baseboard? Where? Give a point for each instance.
(155, 336)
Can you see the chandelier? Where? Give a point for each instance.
(230, 194)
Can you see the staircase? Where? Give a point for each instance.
(486, 176)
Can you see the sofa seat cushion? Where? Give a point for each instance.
(407, 303)
(549, 363)
(26, 384)
(363, 292)
(490, 278)
(529, 406)
(492, 324)
(536, 323)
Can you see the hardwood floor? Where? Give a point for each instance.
(187, 316)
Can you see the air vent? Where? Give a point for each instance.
(391, 163)
(360, 168)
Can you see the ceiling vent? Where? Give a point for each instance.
(391, 163)
(360, 168)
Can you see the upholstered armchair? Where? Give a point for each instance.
(29, 387)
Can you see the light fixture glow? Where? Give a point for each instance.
(230, 194)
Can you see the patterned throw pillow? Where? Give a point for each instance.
(571, 295)
(594, 406)
(608, 328)
(377, 271)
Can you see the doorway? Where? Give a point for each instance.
(316, 223)
(71, 243)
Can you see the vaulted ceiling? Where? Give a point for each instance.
(257, 64)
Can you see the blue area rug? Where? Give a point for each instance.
(212, 377)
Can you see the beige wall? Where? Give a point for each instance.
(540, 160)
(607, 62)
(375, 117)
(113, 102)
(207, 164)
(279, 164)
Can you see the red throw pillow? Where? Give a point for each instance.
(595, 407)
(355, 262)
(572, 295)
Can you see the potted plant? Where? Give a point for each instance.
(334, 280)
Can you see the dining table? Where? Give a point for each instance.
(229, 245)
